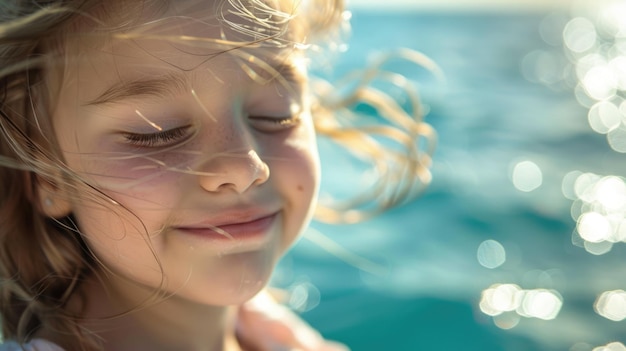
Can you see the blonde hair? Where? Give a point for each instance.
(43, 260)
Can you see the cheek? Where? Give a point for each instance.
(306, 150)
(144, 184)
(108, 164)
(136, 171)
(296, 172)
(119, 224)
(298, 164)
(127, 237)
(117, 238)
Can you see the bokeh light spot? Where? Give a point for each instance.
(618, 66)
(535, 303)
(491, 254)
(611, 193)
(599, 248)
(599, 211)
(584, 183)
(612, 18)
(506, 320)
(617, 139)
(593, 227)
(620, 233)
(604, 117)
(613, 346)
(527, 176)
(543, 67)
(500, 298)
(579, 35)
(303, 296)
(540, 303)
(567, 185)
(611, 305)
(600, 83)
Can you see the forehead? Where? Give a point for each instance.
(197, 27)
(265, 21)
(181, 36)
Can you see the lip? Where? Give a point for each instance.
(234, 226)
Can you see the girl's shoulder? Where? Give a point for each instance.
(33, 345)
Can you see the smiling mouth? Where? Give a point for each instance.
(249, 230)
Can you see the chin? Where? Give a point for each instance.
(231, 286)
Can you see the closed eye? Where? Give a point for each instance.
(159, 139)
(274, 124)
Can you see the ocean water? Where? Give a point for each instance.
(516, 244)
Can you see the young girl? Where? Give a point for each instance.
(158, 157)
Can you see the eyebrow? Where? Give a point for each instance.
(162, 86)
(171, 84)
(283, 68)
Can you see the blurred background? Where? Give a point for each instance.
(518, 244)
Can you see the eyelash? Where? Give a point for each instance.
(277, 123)
(168, 137)
(164, 138)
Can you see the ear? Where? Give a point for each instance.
(50, 196)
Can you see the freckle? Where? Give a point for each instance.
(300, 187)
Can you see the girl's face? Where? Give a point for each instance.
(207, 154)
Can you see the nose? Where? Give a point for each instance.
(236, 171)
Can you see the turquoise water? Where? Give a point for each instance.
(490, 117)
